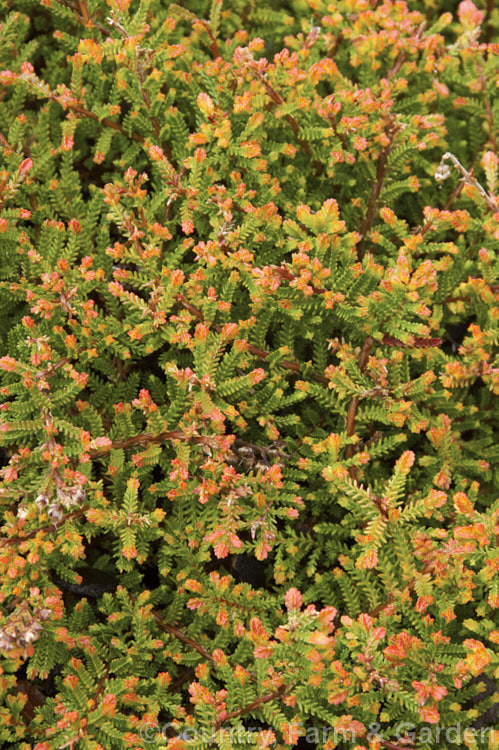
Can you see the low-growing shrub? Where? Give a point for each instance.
(249, 369)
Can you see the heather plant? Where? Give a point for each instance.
(249, 374)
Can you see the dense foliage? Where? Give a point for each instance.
(249, 374)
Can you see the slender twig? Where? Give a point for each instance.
(354, 404)
(283, 691)
(52, 527)
(448, 205)
(403, 55)
(488, 109)
(489, 27)
(195, 646)
(340, 136)
(57, 366)
(443, 172)
(494, 288)
(214, 46)
(391, 745)
(260, 353)
(182, 637)
(202, 22)
(175, 686)
(84, 10)
(285, 273)
(390, 129)
(79, 110)
(331, 51)
(146, 438)
(80, 17)
(277, 99)
(428, 568)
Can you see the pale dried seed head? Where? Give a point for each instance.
(22, 512)
(31, 634)
(245, 450)
(442, 172)
(42, 501)
(55, 513)
(79, 495)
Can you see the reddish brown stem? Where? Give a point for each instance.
(489, 27)
(51, 527)
(79, 110)
(403, 55)
(85, 20)
(292, 121)
(340, 136)
(214, 46)
(149, 437)
(260, 353)
(336, 43)
(419, 342)
(289, 276)
(488, 109)
(84, 11)
(450, 200)
(187, 641)
(57, 366)
(410, 587)
(494, 288)
(455, 194)
(251, 706)
(354, 404)
(390, 129)
(182, 637)
(391, 745)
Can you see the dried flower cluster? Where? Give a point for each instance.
(23, 627)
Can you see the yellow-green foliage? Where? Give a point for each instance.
(248, 373)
